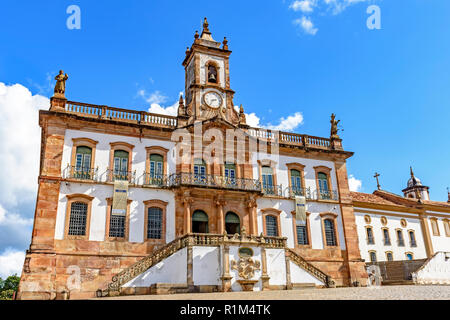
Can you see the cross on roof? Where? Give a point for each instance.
(378, 182)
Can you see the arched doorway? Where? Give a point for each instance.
(232, 223)
(200, 222)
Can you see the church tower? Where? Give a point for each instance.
(207, 80)
(415, 189)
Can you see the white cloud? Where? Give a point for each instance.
(11, 262)
(152, 98)
(169, 111)
(303, 5)
(338, 6)
(354, 184)
(20, 137)
(307, 25)
(288, 124)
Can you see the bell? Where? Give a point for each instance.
(212, 77)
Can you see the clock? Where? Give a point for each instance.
(213, 99)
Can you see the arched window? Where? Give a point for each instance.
(117, 225)
(212, 74)
(296, 183)
(412, 239)
(324, 188)
(267, 180)
(199, 171)
(232, 223)
(83, 163)
(435, 227)
(373, 256)
(302, 235)
(78, 219)
(156, 165)
(330, 232)
(409, 256)
(200, 222)
(400, 240)
(154, 223)
(389, 256)
(120, 165)
(271, 226)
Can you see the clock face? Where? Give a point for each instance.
(213, 99)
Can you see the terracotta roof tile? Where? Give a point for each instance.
(371, 198)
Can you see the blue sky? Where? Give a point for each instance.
(389, 87)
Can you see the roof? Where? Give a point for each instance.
(370, 198)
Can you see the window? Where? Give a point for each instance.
(271, 226)
(212, 74)
(389, 256)
(200, 171)
(120, 165)
(83, 163)
(330, 234)
(373, 256)
(117, 226)
(200, 222)
(296, 183)
(230, 174)
(370, 239)
(409, 256)
(446, 227)
(78, 219)
(386, 237)
(412, 239)
(324, 189)
(302, 235)
(267, 180)
(435, 227)
(154, 223)
(232, 223)
(401, 241)
(156, 166)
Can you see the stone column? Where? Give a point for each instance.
(190, 268)
(426, 235)
(288, 271)
(220, 216)
(226, 277)
(264, 277)
(251, 205)
(187, 214)
(356, 266)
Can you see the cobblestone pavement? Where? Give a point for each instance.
(378, 293)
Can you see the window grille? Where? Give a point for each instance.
(373, 257)
(117, 226)
(271, 226)
(154, 223)
(330, 234)
(78, 218)
(370, 239)
(302, 235)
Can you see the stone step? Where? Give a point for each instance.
(397, 283)
(303, 286)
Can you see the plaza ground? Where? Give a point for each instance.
(377, 293)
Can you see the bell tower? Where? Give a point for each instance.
(207, 81)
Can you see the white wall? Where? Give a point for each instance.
(393, 223)
(299, 275)
(171, 270)
(99, 207)
(276, 266)
(435, 271)
(441, 242)
(207, 266)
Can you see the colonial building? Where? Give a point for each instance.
(409, 227)
(132, 202)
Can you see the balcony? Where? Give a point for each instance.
(276, 191)
(413, 243)
(114, 176)
(213, 181)
(80, 173)
(156, 180)
(400, 242)
(331, 195)
(300, 192)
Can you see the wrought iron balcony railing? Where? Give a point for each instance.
(326, 195)
(272, 190)
(401, 242)
(129, 176)
(387, 242)
(156, 180)
(370, 240)
(295, 191)
(81, 173)
(205, 180)
(413, 243)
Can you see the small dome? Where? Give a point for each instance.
(413, 181)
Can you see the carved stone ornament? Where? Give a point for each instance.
(246, 267)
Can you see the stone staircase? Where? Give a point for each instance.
(398, 272)
(190, 240)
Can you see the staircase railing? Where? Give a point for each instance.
(308, 267)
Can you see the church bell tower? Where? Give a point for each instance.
(207, 81)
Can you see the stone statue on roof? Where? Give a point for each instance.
(60, 87)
